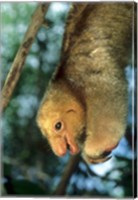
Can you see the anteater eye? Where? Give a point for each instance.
(58, 126)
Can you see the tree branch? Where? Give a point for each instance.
(69, 170)
(16, 68)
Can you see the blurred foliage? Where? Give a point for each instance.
(29, 166)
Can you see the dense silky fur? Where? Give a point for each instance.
(96, 49)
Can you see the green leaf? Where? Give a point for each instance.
(24, 187)
(7, 169)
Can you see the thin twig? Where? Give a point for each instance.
(16, 68)
(69, 170)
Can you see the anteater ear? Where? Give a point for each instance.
(70, 110)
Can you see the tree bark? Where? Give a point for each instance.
(69, 170)
(16, 68)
